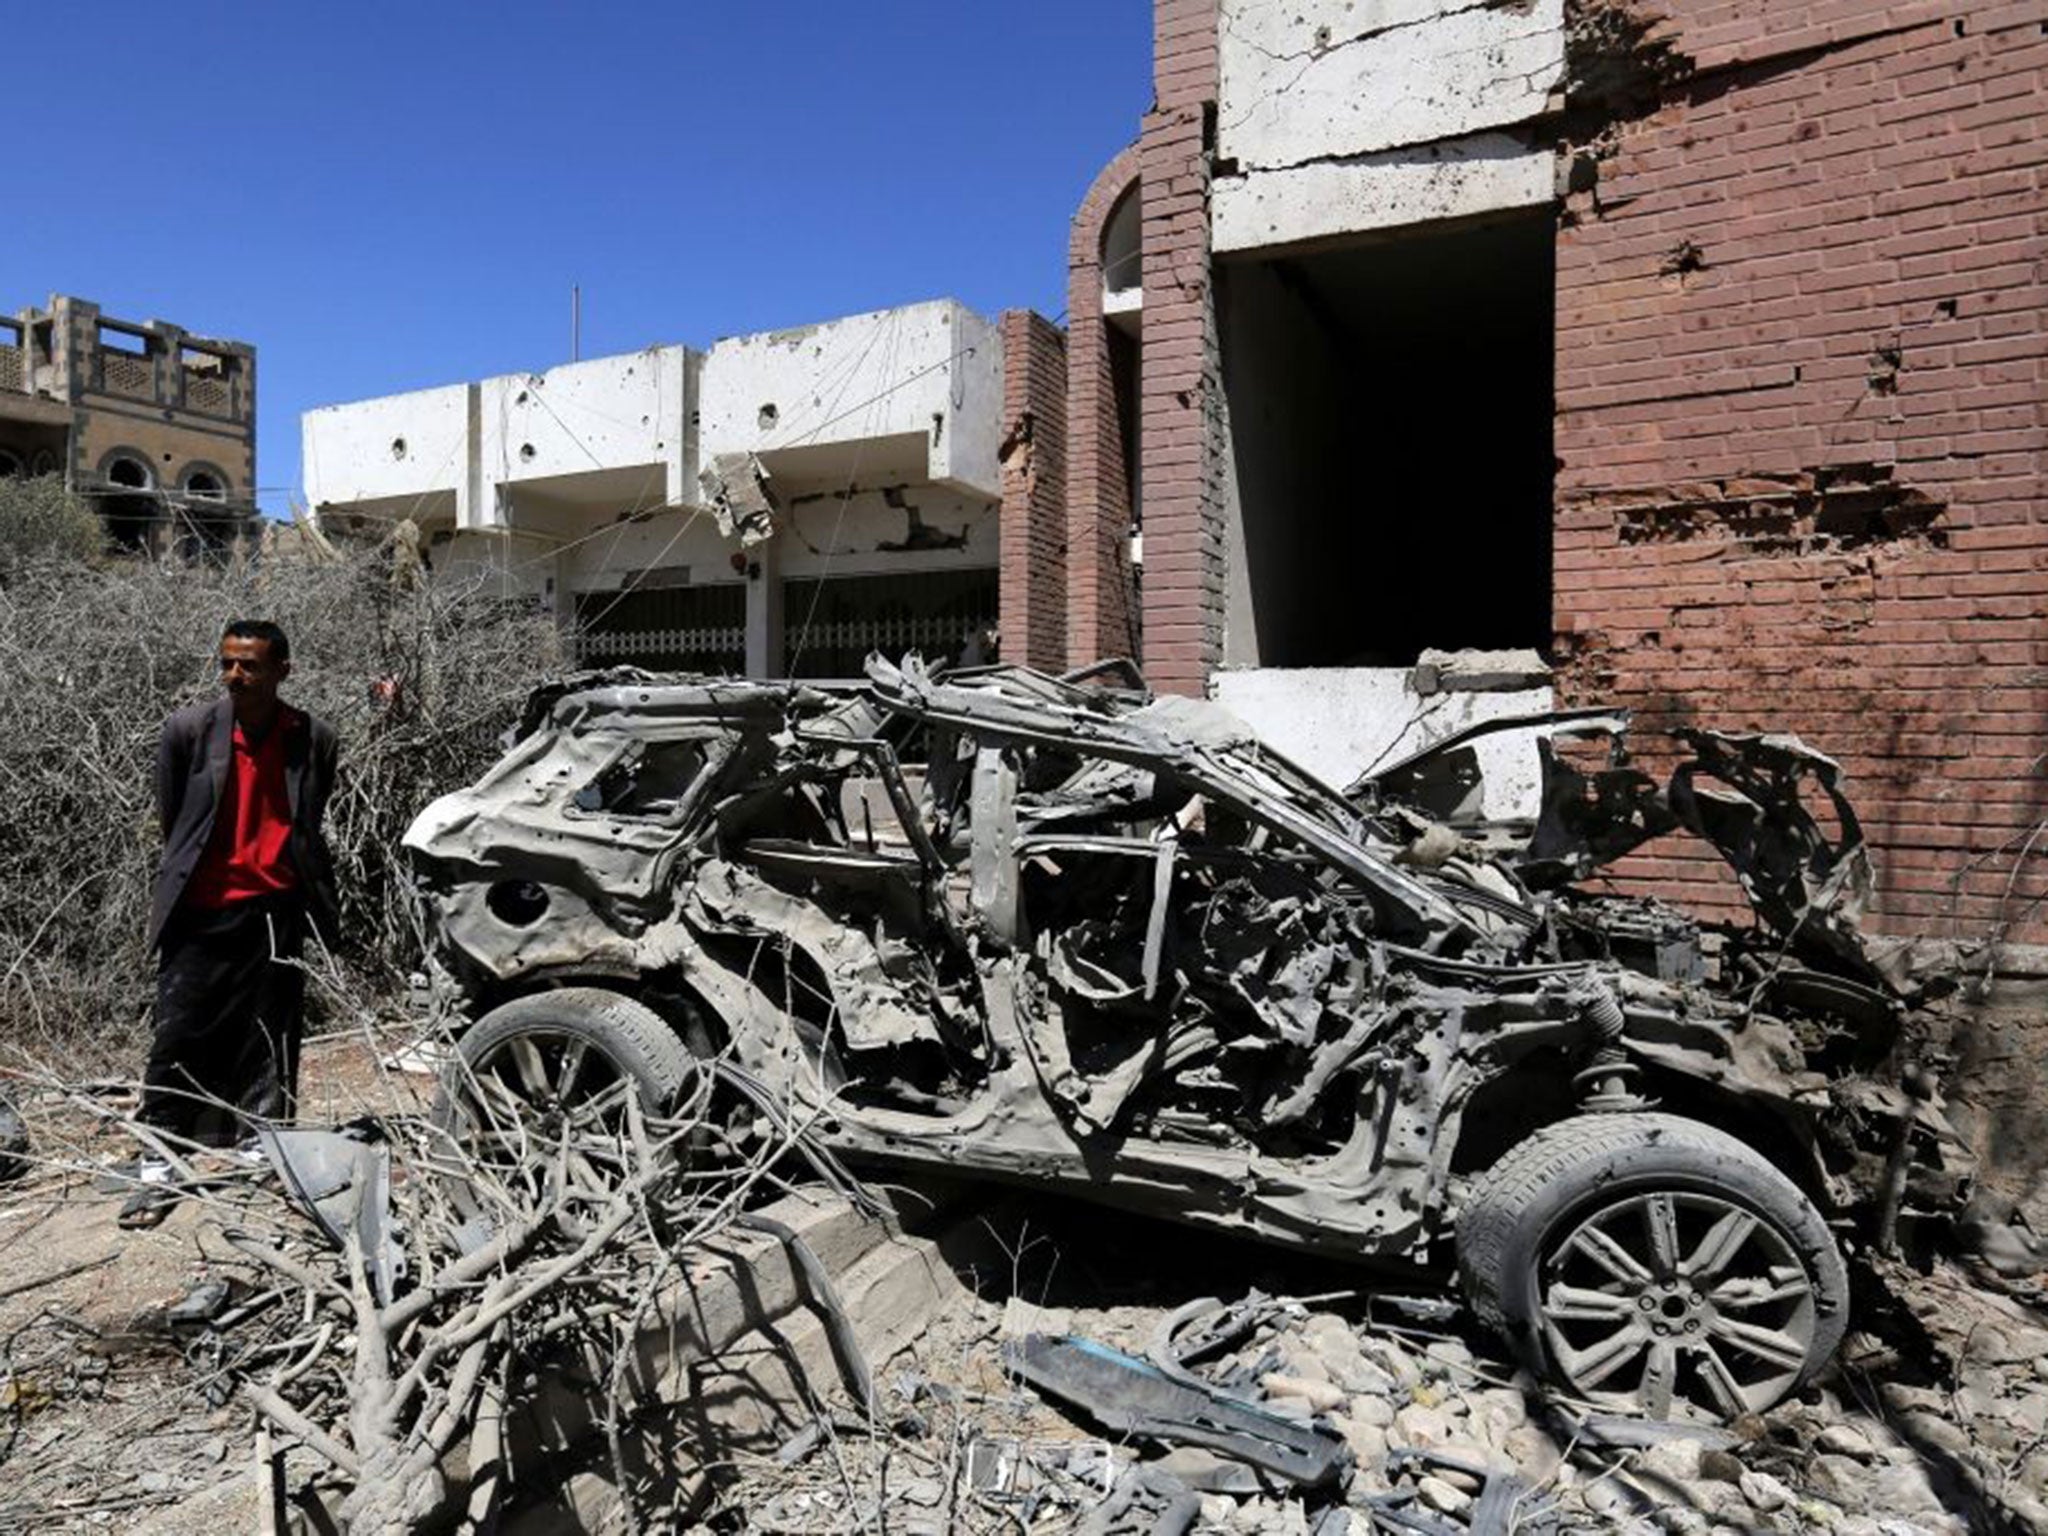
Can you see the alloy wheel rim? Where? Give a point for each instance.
(1676, 1303)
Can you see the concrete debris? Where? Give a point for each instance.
(743, 503)
(1479, 672)
(998, 923)
(1444, 1435)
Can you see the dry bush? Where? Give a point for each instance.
(418, 678)
(40, 520)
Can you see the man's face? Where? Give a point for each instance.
(248, 671)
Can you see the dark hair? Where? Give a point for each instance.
(260, 629)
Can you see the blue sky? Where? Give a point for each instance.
(382, 197)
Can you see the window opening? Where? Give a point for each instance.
(651, 780)
(1391, 416)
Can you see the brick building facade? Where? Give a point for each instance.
(1699, 347)
(154, 425)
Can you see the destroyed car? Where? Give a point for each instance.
(1069, 933)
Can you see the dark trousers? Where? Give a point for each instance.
(230, 1000)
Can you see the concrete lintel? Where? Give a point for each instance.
(1456, 179)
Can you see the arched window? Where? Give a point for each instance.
(206, 528)
(129, 472)
(11, 465)
(1122, 266)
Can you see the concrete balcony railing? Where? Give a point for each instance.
(124, 373)
(209, 393)
(13, 369)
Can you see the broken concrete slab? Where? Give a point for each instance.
(734, 1354)
(1479, 672)
(743, 503)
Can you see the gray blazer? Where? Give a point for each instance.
(192, 759)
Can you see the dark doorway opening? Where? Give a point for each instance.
(1390, 416)
(131, 514)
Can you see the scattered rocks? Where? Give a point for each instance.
(1372, 1408)
(1421, 1427)
(1720, 1466)
(1764, 1492)
(1440, 1496)
(1845, 1440)
(1320, 1396)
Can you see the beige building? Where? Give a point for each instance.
(156, 426)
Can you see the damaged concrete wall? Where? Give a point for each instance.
(930, 375)
(392, 455)
(1338, 721)
(1800, 386)
(1335, 117)
(629, 413)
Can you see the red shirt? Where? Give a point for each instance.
(247, 854)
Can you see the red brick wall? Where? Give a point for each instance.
(1033, 579)
(1101, 600)
(1180, 392)
(1827, 249)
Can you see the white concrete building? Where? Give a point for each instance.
(591, 485)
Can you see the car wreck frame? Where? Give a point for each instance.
(1110, 942)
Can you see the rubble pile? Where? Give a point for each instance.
(1126, 1409)
(1429, 1428)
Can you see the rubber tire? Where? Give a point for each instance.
(1538, 1191)
(637, 1040)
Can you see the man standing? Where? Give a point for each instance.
(241, 787)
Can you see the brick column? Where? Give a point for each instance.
(1101, 596)
(1180, 394)
(1034, 457)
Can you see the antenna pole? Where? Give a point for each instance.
(575, 322)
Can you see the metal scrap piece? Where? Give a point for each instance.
(1135, 1397)
(343, 1181)
(1145, 1502)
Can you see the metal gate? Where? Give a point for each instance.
(671, 629)
(830, 626)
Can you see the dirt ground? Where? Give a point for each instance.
(1935, 1418)
(105, 1424)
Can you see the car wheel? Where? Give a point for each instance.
(536, 1097)
(1651, 1264)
